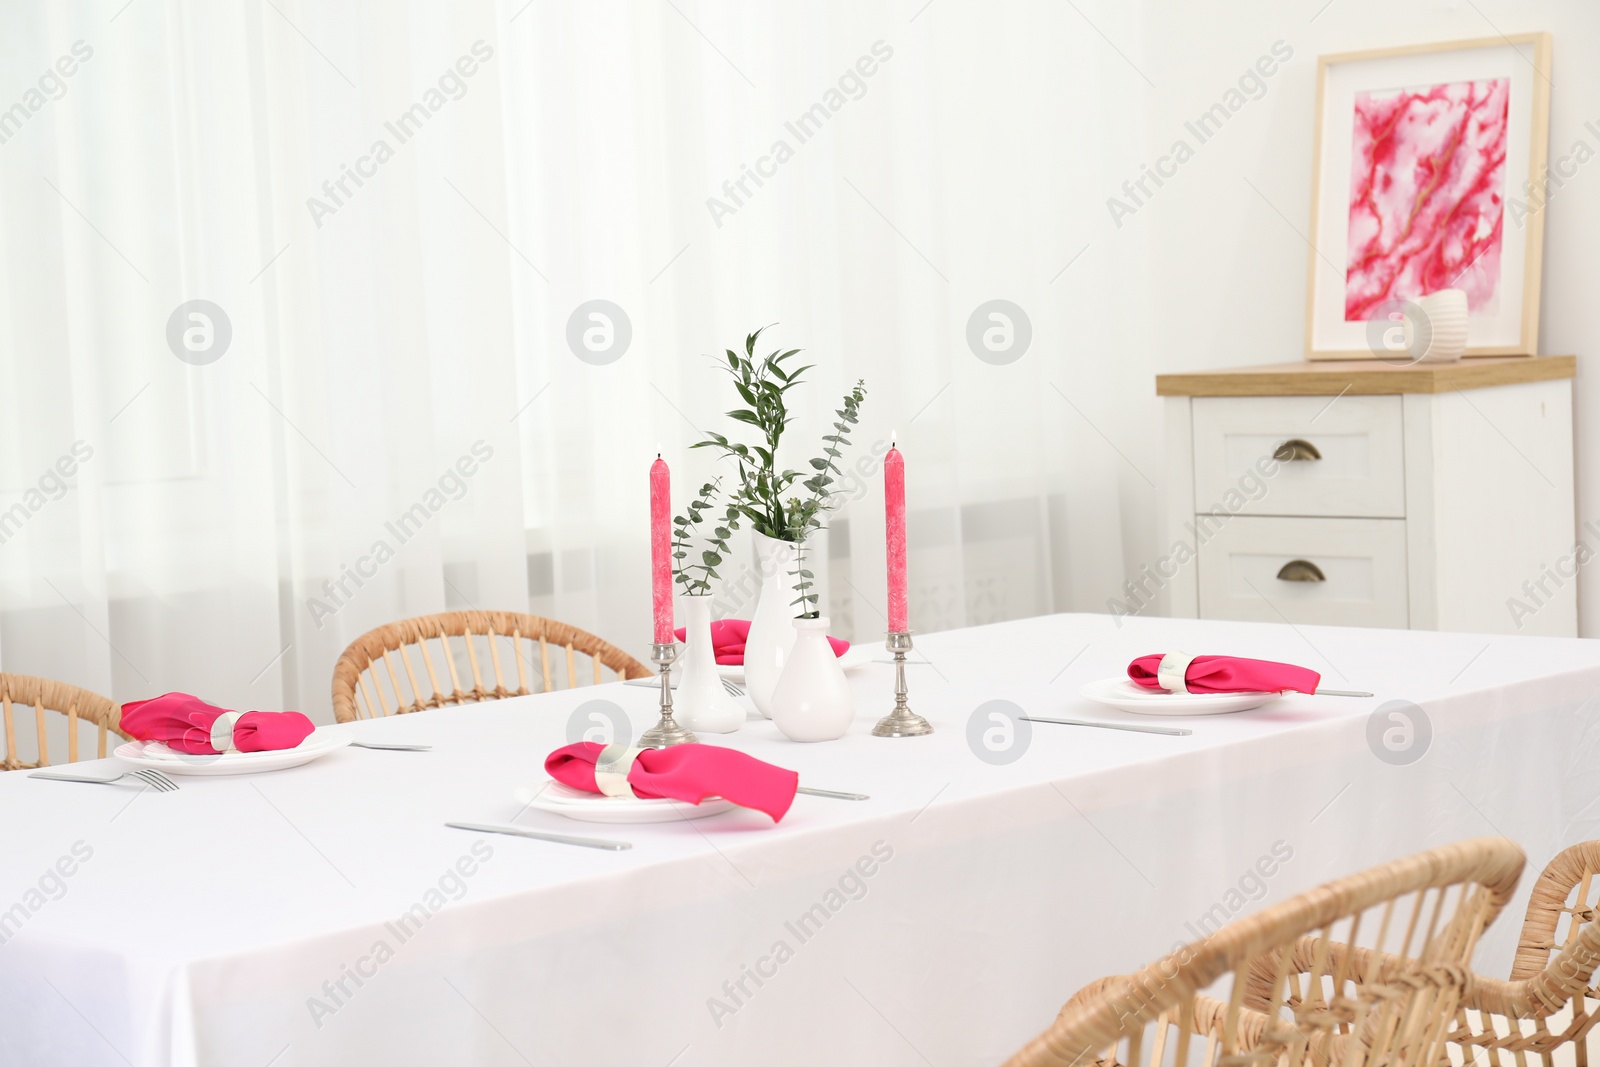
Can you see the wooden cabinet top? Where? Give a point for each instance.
(1366, 377)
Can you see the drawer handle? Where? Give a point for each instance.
(1295, 448)
(1301, 570)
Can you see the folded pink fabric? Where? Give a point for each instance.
(729, 635)
(183, 723)
(686, 772)
(1230, 674)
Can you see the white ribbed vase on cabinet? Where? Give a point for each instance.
(771, 633)
(813, 701)
(1442, 333)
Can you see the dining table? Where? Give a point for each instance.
(326, 914)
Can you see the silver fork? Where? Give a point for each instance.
(154, 779)
(733, 689)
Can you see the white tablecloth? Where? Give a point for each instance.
(264, 920)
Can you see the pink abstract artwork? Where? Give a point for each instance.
(1427, 195)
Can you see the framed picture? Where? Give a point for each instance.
(1428, 174)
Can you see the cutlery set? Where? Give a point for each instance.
(540, 835)
(1130, 727)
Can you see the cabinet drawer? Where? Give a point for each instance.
(1352, 462)
(1247, 565)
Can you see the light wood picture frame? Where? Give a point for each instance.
(1452, 142)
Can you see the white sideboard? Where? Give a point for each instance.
(1430, 497)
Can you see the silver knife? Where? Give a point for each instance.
(384, 746)
(831, 794)
(1172, 730)
(539, 835)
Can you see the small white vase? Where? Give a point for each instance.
(813, 701)
(700, 702)
(771, 635)
(1443, 336)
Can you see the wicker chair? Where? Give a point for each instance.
(1549, 1006)
(48, 695)
(1430, 908)
(358, 684)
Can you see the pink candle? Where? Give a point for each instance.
(661, 549)
(894, 498)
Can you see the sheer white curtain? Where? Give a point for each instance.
(398, 209)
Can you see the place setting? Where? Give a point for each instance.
(625, 784)
(180, 734)
(1178, 684)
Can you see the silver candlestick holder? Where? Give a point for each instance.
(902, 721)
(668, 731)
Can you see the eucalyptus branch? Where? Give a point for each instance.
(804, 516)
(684, 529)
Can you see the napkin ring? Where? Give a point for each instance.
(222, 731)
(1172, 675)
(611, 769)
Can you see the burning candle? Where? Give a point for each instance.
(661, 549)
(894, 498)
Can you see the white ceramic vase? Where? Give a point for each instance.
(771, 635)
(813, 701)
(700, 702)
(1443, 336)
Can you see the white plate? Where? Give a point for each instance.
(560, 799)
(155, 755)
(1122, 694)
(854, 657)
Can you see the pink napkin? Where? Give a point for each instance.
(686, 772)
(183, 723)
(729, 635)
(1229, 674)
